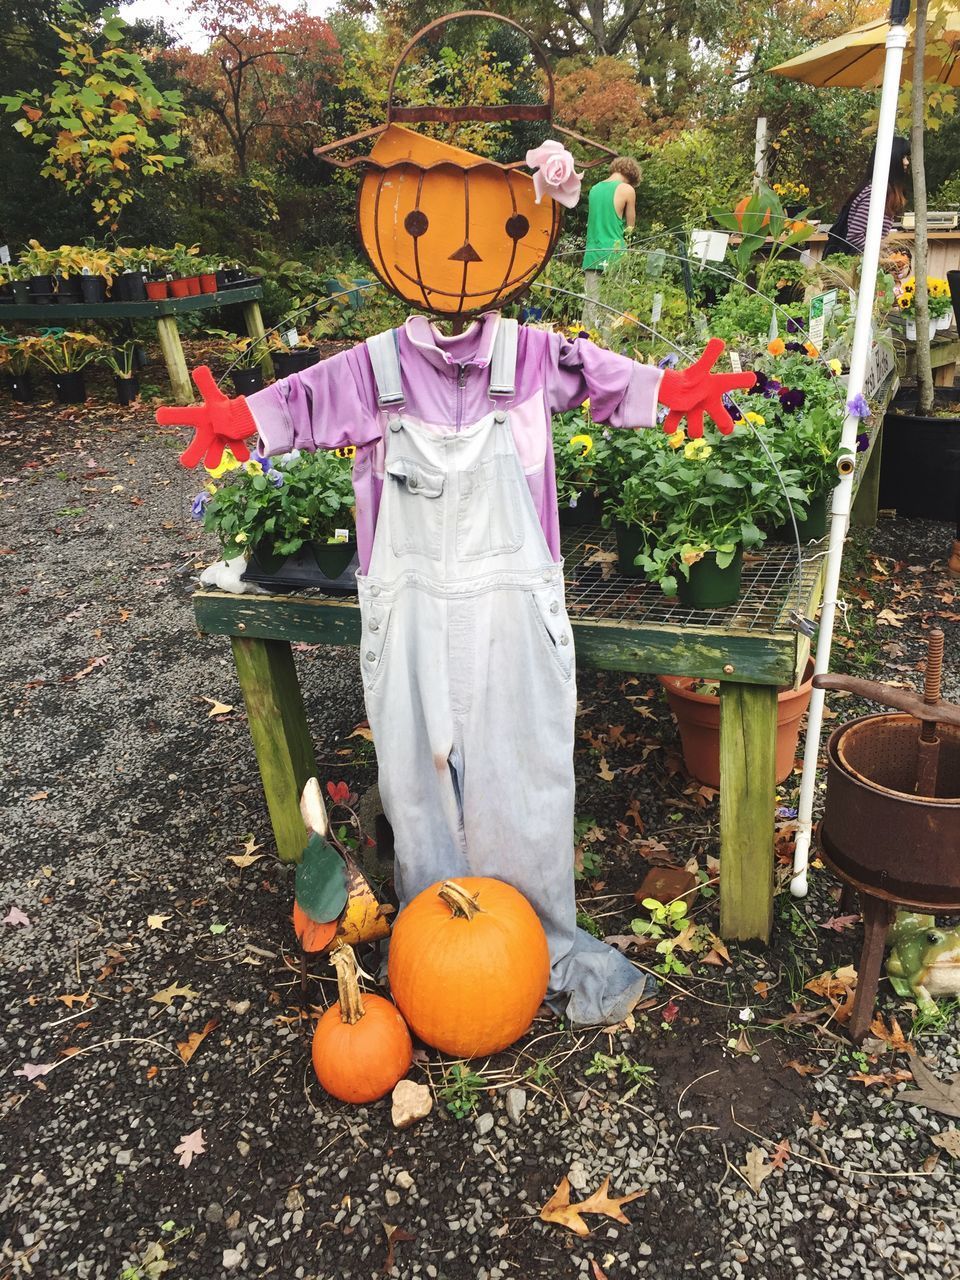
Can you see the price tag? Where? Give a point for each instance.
(822, 306)
(4, 253)
(774, 327)
(291, 337)
(341, 535)
(735, 363)
(657, 309)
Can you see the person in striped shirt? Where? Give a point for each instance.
(849, 233)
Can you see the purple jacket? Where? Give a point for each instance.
(445, 382)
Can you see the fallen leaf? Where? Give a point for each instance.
(362, 731)
(152, 1072)
(801, 1068)
(892, 1036)
(217, 708)
(761, 989)
(395, 1236)
(157, 922)
(817, 1121)
(250, 846)
(781, 1154)
(883, 1078)
(188, 1047)
(16, 916)
(33, 1069)
(71, 1000)
(949, 1140)
(218, 928)
(605, 772)
(742, 1044)
(191, 1144)
(757, 1168)
(831, 984)
(558, 1208)
(598, 1274)
(244, 859)
(938, 1095)
(91, 666)
(39, 795)
(669, 1011)
(170, 993)
(887, 617)
(839, 923)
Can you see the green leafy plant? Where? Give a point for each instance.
(16, 353)
(105, 126)
(300, 498)
(637, 1075)
(766, 234)
(64, 350)
(120, 359)
(461, 1089)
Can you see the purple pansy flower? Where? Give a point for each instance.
(573, 500)
(199, 504)
(669, 361)
(863, 442)
(792, 327)
(264, 461)
(792, 398)
(731, 407)
(662, 412)
(858, 407)
(275, 477)
(795, 346)
(773, 388)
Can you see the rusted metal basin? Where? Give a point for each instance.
(875, 831)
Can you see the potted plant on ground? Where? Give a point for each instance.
(273, 509)
(15, 359)
(576, 450)
(245, 355)
(66, 354)
(291, 352)
(122, 360)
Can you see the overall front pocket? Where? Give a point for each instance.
(416, 513)
(553, 626)
(374, 638)
(488, 511)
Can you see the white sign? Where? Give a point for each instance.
(292, 337)
(735, 363)
(657, 309)
(709, 246)
(821, 308)
(4, 253)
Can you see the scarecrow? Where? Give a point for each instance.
(467, 656)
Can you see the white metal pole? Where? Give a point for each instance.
(760, 153)
(843, 493)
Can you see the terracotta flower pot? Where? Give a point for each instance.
(156, 290)
(193, 285)
(698, 718)
(208, 282)
(179, 289)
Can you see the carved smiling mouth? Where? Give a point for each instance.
(465, 293)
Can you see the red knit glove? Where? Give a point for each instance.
(219, 423)
(696, 391)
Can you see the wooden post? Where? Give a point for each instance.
(866, 503)
(278, 726)
(254, 322)
(760, 153)
(169, 336)
(748, 728)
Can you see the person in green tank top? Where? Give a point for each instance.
(611, 211)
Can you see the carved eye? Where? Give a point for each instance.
(934, 936)
(416, 222)
(517, 227)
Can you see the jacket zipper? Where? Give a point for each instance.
(461, 379)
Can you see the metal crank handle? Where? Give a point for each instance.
(889, 696)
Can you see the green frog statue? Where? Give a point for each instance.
(924, 961)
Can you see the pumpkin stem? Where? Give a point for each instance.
(348, 989)
(458, 900)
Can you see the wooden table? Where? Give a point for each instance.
(164, 312)
(620, 624)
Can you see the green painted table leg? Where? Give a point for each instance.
(254, 322)
(169, 336)
(278, 726)
(748, 729)
(863, 513)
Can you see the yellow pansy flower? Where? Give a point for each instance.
(835, 366)
(210, 488)
(697, 451)
(239, 537)
(585, 441)
(253, 468)
(227, 463)
(677, 439)
(757, 419)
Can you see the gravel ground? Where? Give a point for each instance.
(124, 798)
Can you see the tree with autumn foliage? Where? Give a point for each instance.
(258, 88)
(104, 126)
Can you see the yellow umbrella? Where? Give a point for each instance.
(855, 60)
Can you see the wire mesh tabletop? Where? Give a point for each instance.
(774, 583)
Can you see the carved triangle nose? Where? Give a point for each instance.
(466, 253)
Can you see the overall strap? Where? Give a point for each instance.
(384, 350)
(503, 361)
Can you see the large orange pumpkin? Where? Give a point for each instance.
(361, 1046)
(450, 231)
(469, 965)
(740, 209)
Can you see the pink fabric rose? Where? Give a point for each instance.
(556, 174)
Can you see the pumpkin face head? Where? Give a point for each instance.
(469, 965)
(449, 231)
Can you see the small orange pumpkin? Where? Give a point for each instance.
(469, 965)
(740, 209)
(361, 1046)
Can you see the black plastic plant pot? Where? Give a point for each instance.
(710, 587)
(287, 362)
(93, 288)
(920, 467)
(588, 511)
(127, 389)
(21, 292)
(40, 288)
(264, 559)
(333, 557)
(811, 529)
(6, 295)
(70, 388)
(70, 288)
(222, 279)
(629, 545)
(20, 386)
(246, 381)
(140, 357)
(130, 286)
